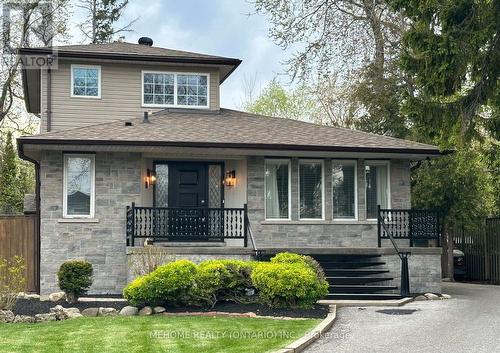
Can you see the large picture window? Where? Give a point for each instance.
(277, 189)
(310, 189)
(78, 186)
(377, 187)
(170, 89)
(85, 81)
(344, 189)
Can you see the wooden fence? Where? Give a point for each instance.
(481, 246)
(19, 236)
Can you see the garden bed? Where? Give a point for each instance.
(32, 307)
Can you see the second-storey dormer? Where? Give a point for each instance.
(99, 83)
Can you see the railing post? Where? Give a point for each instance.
(405, 275)
(245, 225)
(379, 229)
(127, 226)
(133, 224)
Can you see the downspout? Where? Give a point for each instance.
(37, 208)
(49, 99)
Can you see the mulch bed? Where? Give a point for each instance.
(32, 307)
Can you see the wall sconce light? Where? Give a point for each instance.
(150, 178)
(230, 179)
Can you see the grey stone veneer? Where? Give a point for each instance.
(327, 233)
(117, 184)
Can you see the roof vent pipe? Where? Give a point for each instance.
(145, 41)
(146, 117)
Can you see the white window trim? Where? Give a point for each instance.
(78, 66)
(378, 163)
(356, 215)
(288, 161)
(175, 105)
(92, 184)
(322, 162)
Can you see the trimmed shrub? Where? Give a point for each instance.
(12, 281)
(169, 284)
(292, 258)
(223, 280)
(288, 285)
(75, 278)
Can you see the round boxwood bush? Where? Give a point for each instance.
(292, 258)
(75, 278)
(288, 285)
(169, 284)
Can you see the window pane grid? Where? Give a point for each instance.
(86, 82)
(344, 190)
(175, 89)
(311, 190)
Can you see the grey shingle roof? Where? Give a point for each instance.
(229, 128)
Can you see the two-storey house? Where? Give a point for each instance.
(134, 148)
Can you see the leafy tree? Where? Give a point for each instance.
(10, 198)
(102, 16)
(451, 51)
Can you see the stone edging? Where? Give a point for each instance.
(311, 336)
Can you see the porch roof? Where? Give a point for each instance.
(227, 128)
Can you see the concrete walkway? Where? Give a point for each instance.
(470, 322)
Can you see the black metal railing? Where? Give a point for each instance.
(412, 224)
(403, 255)
(186, 224)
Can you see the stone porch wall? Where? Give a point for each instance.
(322, 233)
(100, 241)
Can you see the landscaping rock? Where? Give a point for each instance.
(159, 309)
(129, 311)
(431, 296)
(45, 317)
(65, 313)
(445, 296)
(32, 296)
(24, 319)
(44, 298)
(90, 312)
(420, 298)
(56, 296)
(107, 312)
(6, 316)
(145, 311)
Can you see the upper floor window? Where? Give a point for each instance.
(377, 187)
(174, 89)
(86, 81)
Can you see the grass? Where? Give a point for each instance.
(153, 334)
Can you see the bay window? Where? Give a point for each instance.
(78, 186)
(344, 188)
(170, 89)
(277, 189)
(377, 187)
(310, 189)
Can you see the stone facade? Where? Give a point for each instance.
(100, 241)
(322, 233)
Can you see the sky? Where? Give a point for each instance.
(218, 27)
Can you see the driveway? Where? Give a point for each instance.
(469, 322)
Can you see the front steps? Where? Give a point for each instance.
(357, 277)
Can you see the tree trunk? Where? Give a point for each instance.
(378, 37)
(447, 259)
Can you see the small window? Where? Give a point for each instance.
(277, 189)
(310, 189)
(78, 186)
(344, 189)
(169, 89)
(377, 187)
(86, 81)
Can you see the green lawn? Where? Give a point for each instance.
(153, 334)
